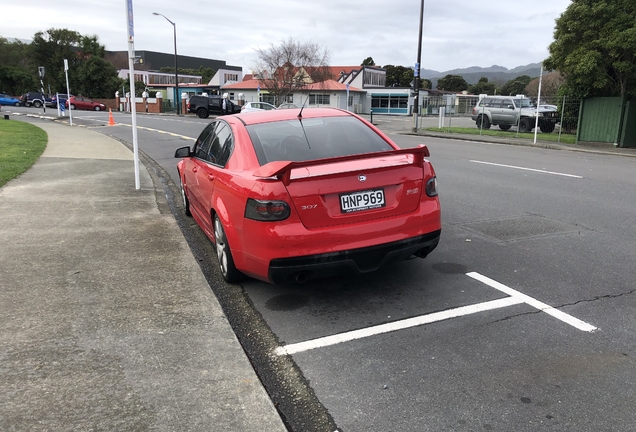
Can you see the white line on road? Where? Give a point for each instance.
(575, 322)
(397, 325)
(527, 169)
(515, 297)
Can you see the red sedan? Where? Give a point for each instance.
(292, 195)
(83, 103)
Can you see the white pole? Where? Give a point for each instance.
(68, 93)
(57, 102)
(133, 105)
(536, 119)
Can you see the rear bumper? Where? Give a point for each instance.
(354, 261)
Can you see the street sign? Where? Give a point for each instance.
(61, 105)
(41, 71)
(416, 71)
(131, 26)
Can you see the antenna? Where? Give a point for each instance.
(300, 114)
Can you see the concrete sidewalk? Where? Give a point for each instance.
(106, 321)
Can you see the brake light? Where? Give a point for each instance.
(431, 187)
(267, 210)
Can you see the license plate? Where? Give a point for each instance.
(363, 200)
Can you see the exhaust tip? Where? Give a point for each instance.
(301, 277)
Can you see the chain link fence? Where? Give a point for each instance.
(457, 110)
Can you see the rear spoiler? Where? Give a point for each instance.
(282, 169)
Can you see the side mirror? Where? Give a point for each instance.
(182, 152)
(511, 106)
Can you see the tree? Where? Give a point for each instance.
(595, 47)
(401, 76)
(455, 83)
(98, 78)
(550, 84)
(15, 78)
(516, 86)
(482, 87)
(290, 66)
(368, 62)
(49, 49)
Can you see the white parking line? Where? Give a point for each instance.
(397, 325)
(575, 322)
(515, 297)
(527, 169)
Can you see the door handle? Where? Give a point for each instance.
(210, 177)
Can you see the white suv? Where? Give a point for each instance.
(508, 111)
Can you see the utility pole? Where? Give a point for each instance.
(416, 87)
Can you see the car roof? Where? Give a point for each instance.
(257, 117)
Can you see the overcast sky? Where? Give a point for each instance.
(456, 33)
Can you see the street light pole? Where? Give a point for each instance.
(177, 100)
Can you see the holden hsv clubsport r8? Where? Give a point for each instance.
(296, 194)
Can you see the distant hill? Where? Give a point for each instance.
(493, 73)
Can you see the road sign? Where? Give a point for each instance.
(41, 71)
(131, 26)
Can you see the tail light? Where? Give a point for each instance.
(431, 187)
(267, 210)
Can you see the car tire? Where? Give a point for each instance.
(186, 201)
(202, 113)
(37, 104)
(483, 122)
(224, 254)
(17, 104)
(504, 127)
(97, 108)
(524, 125)
(72, 106)
(547, 127)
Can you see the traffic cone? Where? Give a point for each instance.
(111, 120)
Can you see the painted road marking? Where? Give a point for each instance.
(527, 169)
(396, 325)
(161, 131)
(569, 319)
(515, 298)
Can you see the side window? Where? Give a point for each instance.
(202, 144)
(496, 103)
(221, 146)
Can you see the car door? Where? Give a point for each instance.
(220, 146)
(509, 115)
(191, 168)
(496, 111)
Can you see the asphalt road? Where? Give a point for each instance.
(522, 319)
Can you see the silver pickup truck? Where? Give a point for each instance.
(508, 111)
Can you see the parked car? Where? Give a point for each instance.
(287, 106)
(257, 106)
(75, 102)
(288, 199)
(203, 106)
(35, 99)
(5, 99)
(62, 100)
(508, 111)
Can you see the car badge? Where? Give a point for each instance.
(362, 177)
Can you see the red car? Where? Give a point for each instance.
(289, 195)
(83, 103)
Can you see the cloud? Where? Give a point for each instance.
(455, 33)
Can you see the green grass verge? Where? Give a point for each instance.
(21, 144)
(565, 138)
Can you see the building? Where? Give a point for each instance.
(148, 64)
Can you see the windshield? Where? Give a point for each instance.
(524, 103)
(313, 138)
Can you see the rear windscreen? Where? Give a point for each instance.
(313, 138)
